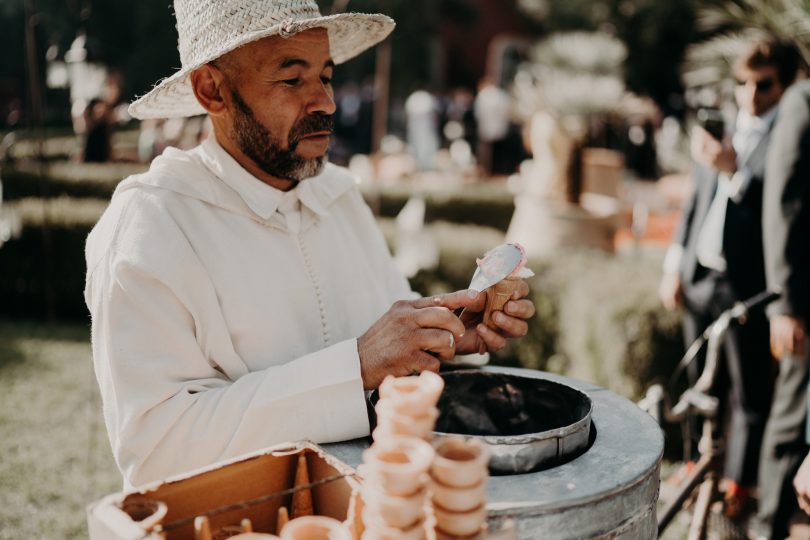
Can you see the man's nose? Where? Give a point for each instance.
(321, 100)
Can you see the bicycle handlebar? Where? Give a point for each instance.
(713, 334)
(761, 300)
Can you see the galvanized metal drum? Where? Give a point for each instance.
(607, 491)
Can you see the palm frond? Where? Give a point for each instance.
(711, 61)
(788, 20)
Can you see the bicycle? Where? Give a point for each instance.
(698, 401)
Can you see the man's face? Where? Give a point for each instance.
(282, 103)
(758, 90)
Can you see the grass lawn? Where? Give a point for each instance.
(55, 454)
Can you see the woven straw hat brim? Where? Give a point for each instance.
(349, 35)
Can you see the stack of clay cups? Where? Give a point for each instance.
(396, 467)
(395, 479)
(458, 481)
(407, 406)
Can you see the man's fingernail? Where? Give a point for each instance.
(482, 329)
(509, 307)
(499, 317)
(472, 293)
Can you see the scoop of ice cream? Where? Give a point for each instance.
(521, 265)
(492, 263)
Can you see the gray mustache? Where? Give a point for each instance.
(311, 124)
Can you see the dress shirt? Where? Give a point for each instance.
(225, 312)
(749, 131)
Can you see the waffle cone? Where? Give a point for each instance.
(282, 519)
(497, 296)
(302, 500)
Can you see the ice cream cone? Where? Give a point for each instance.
(497, 297)
(302, 499)
(202, 528)
(282, 519)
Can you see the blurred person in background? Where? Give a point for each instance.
(459, 109)
(786, 227)
(492, 109)
(100, 116)
(98, 132)
(422, 128)
(716, 257)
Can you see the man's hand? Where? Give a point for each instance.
(511, 322)
(710, 152)
(788, 337)
(802, 484)
(670, 291)
(401, 341)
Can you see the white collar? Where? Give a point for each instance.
(747, 122)
(316, 193)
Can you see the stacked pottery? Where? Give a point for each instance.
(395, 494)
(458, 480)
(395, 470)
(407, 406)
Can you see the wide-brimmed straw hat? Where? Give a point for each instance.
(207, 29)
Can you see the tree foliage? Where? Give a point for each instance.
(725, 20)
(655, 33)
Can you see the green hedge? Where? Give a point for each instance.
(482, 204)
(42, 271)
(486, 204)
(65, 179)
(613, 330)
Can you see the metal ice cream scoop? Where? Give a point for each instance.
(498, 263)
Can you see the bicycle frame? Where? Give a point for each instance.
(696, 400)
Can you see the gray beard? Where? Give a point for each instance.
(256, 142)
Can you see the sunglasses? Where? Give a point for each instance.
(762, 85)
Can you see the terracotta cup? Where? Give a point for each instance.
(481, 535)
(394, 510)
(378, 530)
(460, 463)
(413, 393)
(315, 528)
(458, 499)
(403, 424)
(460, 523)
(398, 465)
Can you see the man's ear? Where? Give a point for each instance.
(210, 89)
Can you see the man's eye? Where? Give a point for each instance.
(290, 82)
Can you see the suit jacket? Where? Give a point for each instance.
(742, 234)
(786, 213)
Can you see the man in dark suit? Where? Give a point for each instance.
(786, 226)
(716, 257)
